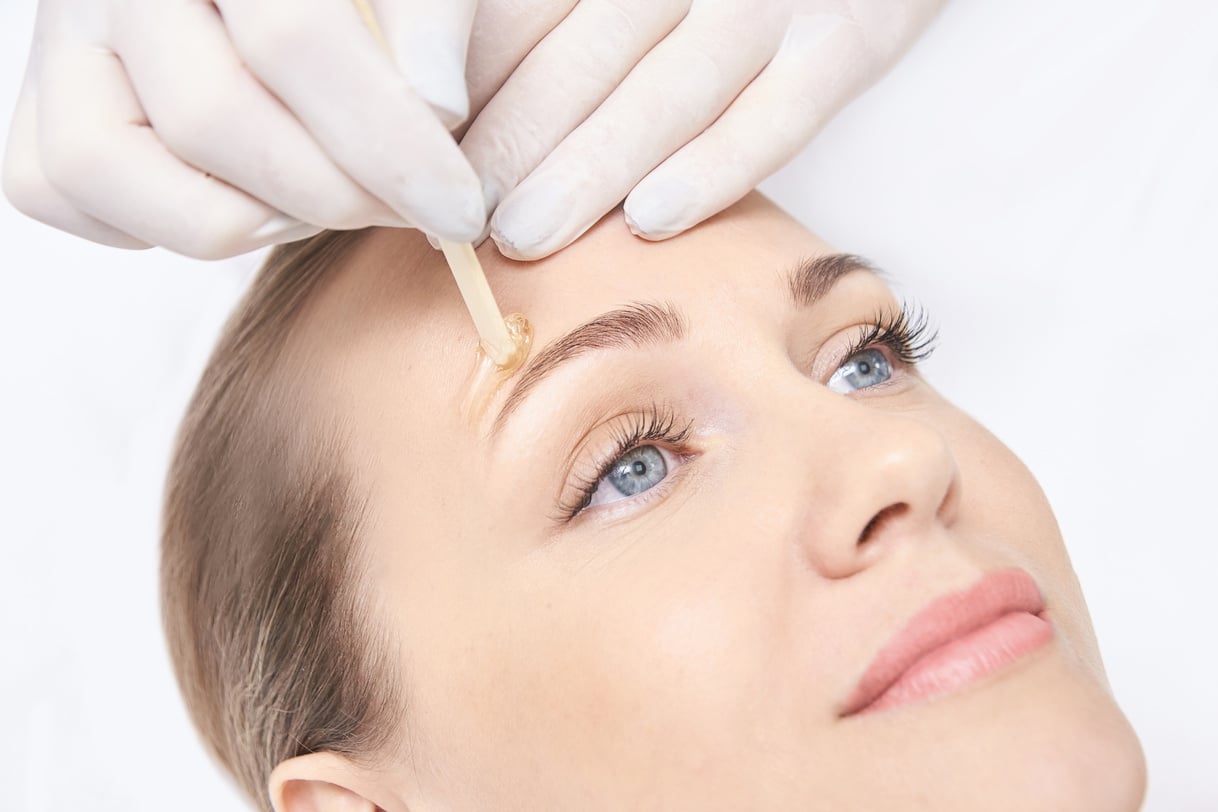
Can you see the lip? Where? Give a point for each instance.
(955, 640)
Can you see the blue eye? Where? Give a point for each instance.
(861, 370)
(638, 470)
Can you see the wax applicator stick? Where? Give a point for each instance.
(365, 12)
(501, 341)
(488, 320)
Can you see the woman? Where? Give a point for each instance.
(717, 546)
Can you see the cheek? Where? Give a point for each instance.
(1005, 510)
(683, 627)
(648, 656)
(1002, 498)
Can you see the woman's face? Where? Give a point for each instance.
(656, 579)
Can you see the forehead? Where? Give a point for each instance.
(753, 244)
(395, 280)
(394, 343)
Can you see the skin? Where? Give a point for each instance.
(692, 647)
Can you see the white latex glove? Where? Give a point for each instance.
(678, 106)
(214, 128)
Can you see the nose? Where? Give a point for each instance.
(877, 480)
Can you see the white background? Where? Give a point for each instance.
(1042, 175)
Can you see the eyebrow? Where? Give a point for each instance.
(636, 325)
(812, 279)
(642, 324)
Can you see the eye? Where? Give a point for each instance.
(879, 352)
(642, 450)
(638, 470)
(865, 368)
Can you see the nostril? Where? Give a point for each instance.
(887, 514)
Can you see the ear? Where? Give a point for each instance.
(328, 782)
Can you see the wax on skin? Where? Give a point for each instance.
(487, 376)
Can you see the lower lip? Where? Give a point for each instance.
(967, 659)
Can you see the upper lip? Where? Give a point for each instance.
(943, 620)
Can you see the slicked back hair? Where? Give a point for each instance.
(270, 637)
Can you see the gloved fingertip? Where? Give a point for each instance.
(507, 248)
(647, 228)
(532, 221)
(636, 229)
(659, 209)
(275, 226)
(463, 219)
(432, 241)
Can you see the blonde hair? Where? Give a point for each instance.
(270, 639)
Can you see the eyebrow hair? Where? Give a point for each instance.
(640, 324)
(634, 325)
(814, 277)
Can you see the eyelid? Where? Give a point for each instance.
(657, 425)
(843, 349)
(908, 328)
(673, 461)
(629, 507)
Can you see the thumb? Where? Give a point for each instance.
(428, 41)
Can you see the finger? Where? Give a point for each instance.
(428, 41)
(819, 69)
(99, 153)
(887, 28)
(682, 85)
(826, 60)
(559, 84)
(327, 67)
(503, 34)
(29, 190)
(208, 110)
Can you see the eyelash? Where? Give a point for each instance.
(656, 425)
(907, 334)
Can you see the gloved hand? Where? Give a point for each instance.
(678, 106)
(212, 129)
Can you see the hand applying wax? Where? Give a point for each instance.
(211, 128)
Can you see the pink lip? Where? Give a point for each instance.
(957, 639)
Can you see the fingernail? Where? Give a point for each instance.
(507, 249)
(277, 225)
(659, 209)
(531, 218)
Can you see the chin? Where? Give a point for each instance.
(1061, 743)
(1084, 754)
(1044, 737)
